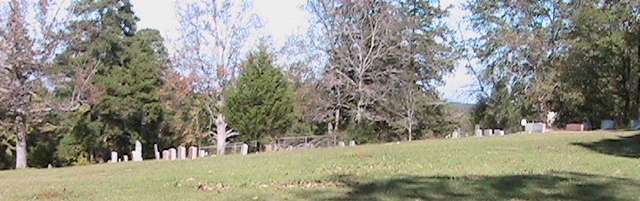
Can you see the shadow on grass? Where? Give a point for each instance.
(552, 186)
(624, 146)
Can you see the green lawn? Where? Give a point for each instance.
(560, 166)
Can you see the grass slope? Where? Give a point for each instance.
(560, 166)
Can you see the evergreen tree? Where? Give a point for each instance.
(127, 66)
(261, 105)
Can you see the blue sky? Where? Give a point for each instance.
(283, 18)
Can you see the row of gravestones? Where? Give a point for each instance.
(275, 147)
(489, 132)
(169, 154)
(606, 124)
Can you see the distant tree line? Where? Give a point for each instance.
(579, 59)
(81, 81)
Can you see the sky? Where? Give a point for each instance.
(283, 18)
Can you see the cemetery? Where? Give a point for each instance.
(556, 166)
(319, 100)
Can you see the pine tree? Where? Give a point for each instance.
(125, 94)
(261, 105)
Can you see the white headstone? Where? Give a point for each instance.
(182, 153)
(114, 157)
(244, 149)
(125, 158)
(137, 153)
(352, 143)
(156, 152)
(487, 132)
(478, 133)
(455, 134)
(193, 152)
(498, 132)
(535, 128)
(608, 124)
(49, 166)
(341, 144)
(201, 153)
(551, 117)
(172, 154)
(166, 155)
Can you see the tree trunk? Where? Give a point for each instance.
(221, 134)
(410, 131)
(21, 143)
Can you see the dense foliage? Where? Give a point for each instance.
(578, 59)
(260, 106)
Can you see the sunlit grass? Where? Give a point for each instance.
(559, 166)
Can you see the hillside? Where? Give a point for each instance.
(560, 166)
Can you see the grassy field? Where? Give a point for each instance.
(559, 166)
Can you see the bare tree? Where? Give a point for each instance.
(27, 48)
(213, 36)
(359, 35)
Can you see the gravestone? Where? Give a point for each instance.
(114, 157)
(165, 155)
(268, 148)
(156, 152)
(575, 127)
(341, 144)
(137, 154)
(201, 153)
(535, 128)
(133, 155)
(487, 132)
(125, 158)
(193, 152)
(244, 149)
(49, 166)
(478, 131)
(455, 134)
(182, 153)
(608, 124)
(352, 143)
(172, 154)
(498, 132)
(635, 124)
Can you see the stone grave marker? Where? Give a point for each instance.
(125, 158)
(201, 153)
(635, 124)
(244, 149)
(608, 124)
(341, 144)
(137, 154)
(156, 152)
(182, 153)
(535, 128)
(498, 132)
(193, 152)
(114, 157)
(477, 131)
(487, 132)
(352, 143)
(172, 154)
(455, 134)
(576, 127)
(165, 155)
